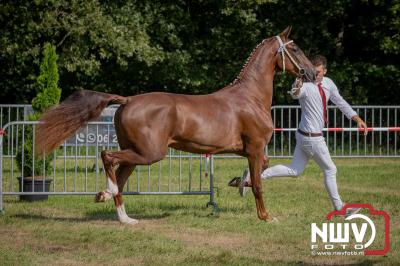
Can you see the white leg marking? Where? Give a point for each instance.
(111, 188)
(107, 195)
(123, 217)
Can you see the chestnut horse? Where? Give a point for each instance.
(235, 119)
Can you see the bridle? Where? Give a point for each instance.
(282, 49)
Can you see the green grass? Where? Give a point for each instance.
(180, 230)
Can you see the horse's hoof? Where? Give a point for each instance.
(272, 220)
(129, 221)
(263, 216)
(100, 197)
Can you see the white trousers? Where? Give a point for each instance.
(310, 148)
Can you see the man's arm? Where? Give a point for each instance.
(360, 123)
(346, 109)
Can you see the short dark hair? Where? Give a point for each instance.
(318, 60)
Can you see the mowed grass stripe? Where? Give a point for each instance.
(180, 230)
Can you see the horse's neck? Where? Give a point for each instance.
(258, 81)
(257, 94)
(255, 81)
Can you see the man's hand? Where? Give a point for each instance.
(360, 124)
(294, 92)
(298, 83)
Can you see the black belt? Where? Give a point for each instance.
(309, 134)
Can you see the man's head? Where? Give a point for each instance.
(319, 62)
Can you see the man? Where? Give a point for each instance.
(310, 143)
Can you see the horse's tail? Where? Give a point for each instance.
(63, 120)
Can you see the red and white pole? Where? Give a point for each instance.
(347, 129)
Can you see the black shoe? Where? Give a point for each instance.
(351, 211)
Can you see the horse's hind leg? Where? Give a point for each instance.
(112, 189)
(127, 159)
(123, 172)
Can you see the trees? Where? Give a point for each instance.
(88, 37)
(195, 46)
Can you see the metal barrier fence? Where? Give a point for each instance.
(76, 168)
(346, 143)
(13, 112)
(341, 143)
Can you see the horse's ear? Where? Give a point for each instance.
(286, 32)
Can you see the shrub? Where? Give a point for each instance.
(48, 94)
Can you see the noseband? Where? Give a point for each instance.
(282, 49)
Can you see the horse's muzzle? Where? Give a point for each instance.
(307, 74)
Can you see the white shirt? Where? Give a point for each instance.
(312, 109)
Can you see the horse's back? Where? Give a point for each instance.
(201, 123)
(182, 106)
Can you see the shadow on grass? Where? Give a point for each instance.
(90, 216)
(141, 209)
(65, 219)
(111, 215)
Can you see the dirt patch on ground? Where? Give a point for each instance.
(17, 239)
(66, 261)
(196, 237)
(13, 237)
(193, 236)
(128, 261)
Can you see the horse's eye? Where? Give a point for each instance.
(295, 49)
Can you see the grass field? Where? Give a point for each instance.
(180, 230)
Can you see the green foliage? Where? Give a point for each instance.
(195, 46)
(48, 94)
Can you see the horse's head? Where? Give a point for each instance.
(291, 58)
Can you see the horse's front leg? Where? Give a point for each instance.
(255, 165)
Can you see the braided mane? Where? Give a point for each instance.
(249, 60)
